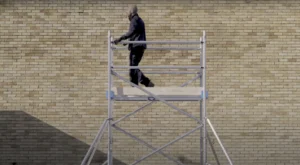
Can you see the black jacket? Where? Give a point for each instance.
(136, 32)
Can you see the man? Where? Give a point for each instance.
(136, 32)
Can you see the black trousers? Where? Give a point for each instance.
(136, 75)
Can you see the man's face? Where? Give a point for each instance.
(129, 15)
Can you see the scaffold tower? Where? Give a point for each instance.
(162, 94)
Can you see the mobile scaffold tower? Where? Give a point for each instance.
(163, 94)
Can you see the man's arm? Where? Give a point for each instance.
(132, 29)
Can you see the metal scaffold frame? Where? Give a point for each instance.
(202, 122)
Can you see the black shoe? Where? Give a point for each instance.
(150, 84)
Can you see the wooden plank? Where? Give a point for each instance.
(160, 91)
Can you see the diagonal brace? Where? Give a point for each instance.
(166, 145)
(132, 113)
(89, 155)
(220, 143)
(212, 148)
(148, 104)
(146, 144)
(156, 97)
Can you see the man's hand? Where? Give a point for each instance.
(116, 41)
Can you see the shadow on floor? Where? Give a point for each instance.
(26, 140)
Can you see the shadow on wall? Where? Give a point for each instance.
(25, 140)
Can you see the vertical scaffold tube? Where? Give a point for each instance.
(203, 148)
(109, 112)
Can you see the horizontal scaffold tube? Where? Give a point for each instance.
(163, 72)
(160, 42)
(156, 67)
(160, 48)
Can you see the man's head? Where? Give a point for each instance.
(132, 11)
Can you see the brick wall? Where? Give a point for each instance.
(53, 67)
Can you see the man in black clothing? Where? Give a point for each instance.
(136, 32)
